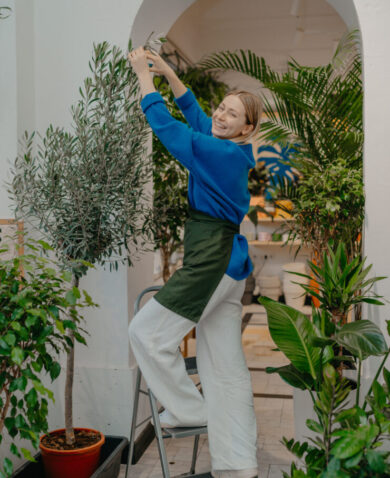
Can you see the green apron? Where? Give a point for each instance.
(208, 243)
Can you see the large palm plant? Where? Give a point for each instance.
(319, 109)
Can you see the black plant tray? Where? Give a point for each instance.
(109, 464)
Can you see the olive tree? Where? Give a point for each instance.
(84, 188)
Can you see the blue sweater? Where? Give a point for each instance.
(218, 179)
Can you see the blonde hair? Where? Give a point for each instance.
(253, 110)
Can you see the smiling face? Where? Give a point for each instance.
(229, 120)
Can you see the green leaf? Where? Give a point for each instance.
(8, 466)
(17, 355)
(60, 326)
(18, 384)
(354, 460)
(31, 397)
(292, 332)
(314, 426)
(362, 338)
(379, 395)
(55, 370)
(70, 297)
(10, 339)
(386, 376)
(45, 245)
(293, 376)
(14, 450)
(376, 461)
(27, 455)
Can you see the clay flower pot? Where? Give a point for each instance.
(78, 463)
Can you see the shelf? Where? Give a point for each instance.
(274, 243)
(270, 219)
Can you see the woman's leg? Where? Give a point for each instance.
(155, 335)
(226, 384)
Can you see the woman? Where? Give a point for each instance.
(206, 291)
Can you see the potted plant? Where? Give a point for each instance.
(85, 191)
(38, 307)
(321, 351)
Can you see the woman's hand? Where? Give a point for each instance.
(159, 65)
(139, 61)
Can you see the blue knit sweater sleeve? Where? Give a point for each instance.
(196, 117)
(202, 155)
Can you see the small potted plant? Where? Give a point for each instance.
(38, 307)
(85, 190)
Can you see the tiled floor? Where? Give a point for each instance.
(274, 415)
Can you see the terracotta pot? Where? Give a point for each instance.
(79, 463)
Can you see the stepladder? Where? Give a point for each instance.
(162, 433)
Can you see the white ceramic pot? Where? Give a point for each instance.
(295, 267)
(264, 236)
(272, 292)
(294, 299)
(269, 281)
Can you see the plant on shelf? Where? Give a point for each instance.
(319, 352)
(37, 307)
(170, 209)
(319, 111)
(84, 189)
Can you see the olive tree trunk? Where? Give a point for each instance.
(69, 432)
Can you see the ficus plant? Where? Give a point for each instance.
(84, 189)
(38, 306)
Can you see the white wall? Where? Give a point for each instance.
(45, 47)
(8, 94)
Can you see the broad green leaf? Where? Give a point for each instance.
(354, 460)
(292, 333)
(362, 338)
(293, 377)
(379, 395)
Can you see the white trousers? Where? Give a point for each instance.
(227, 406)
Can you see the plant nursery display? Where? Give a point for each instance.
(349, 437)
(319, 111)
(84, 189)
(37, 308)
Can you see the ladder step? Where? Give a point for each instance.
(182, 432)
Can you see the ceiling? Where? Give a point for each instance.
(306, 30)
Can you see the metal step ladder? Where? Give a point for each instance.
(162, 433)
